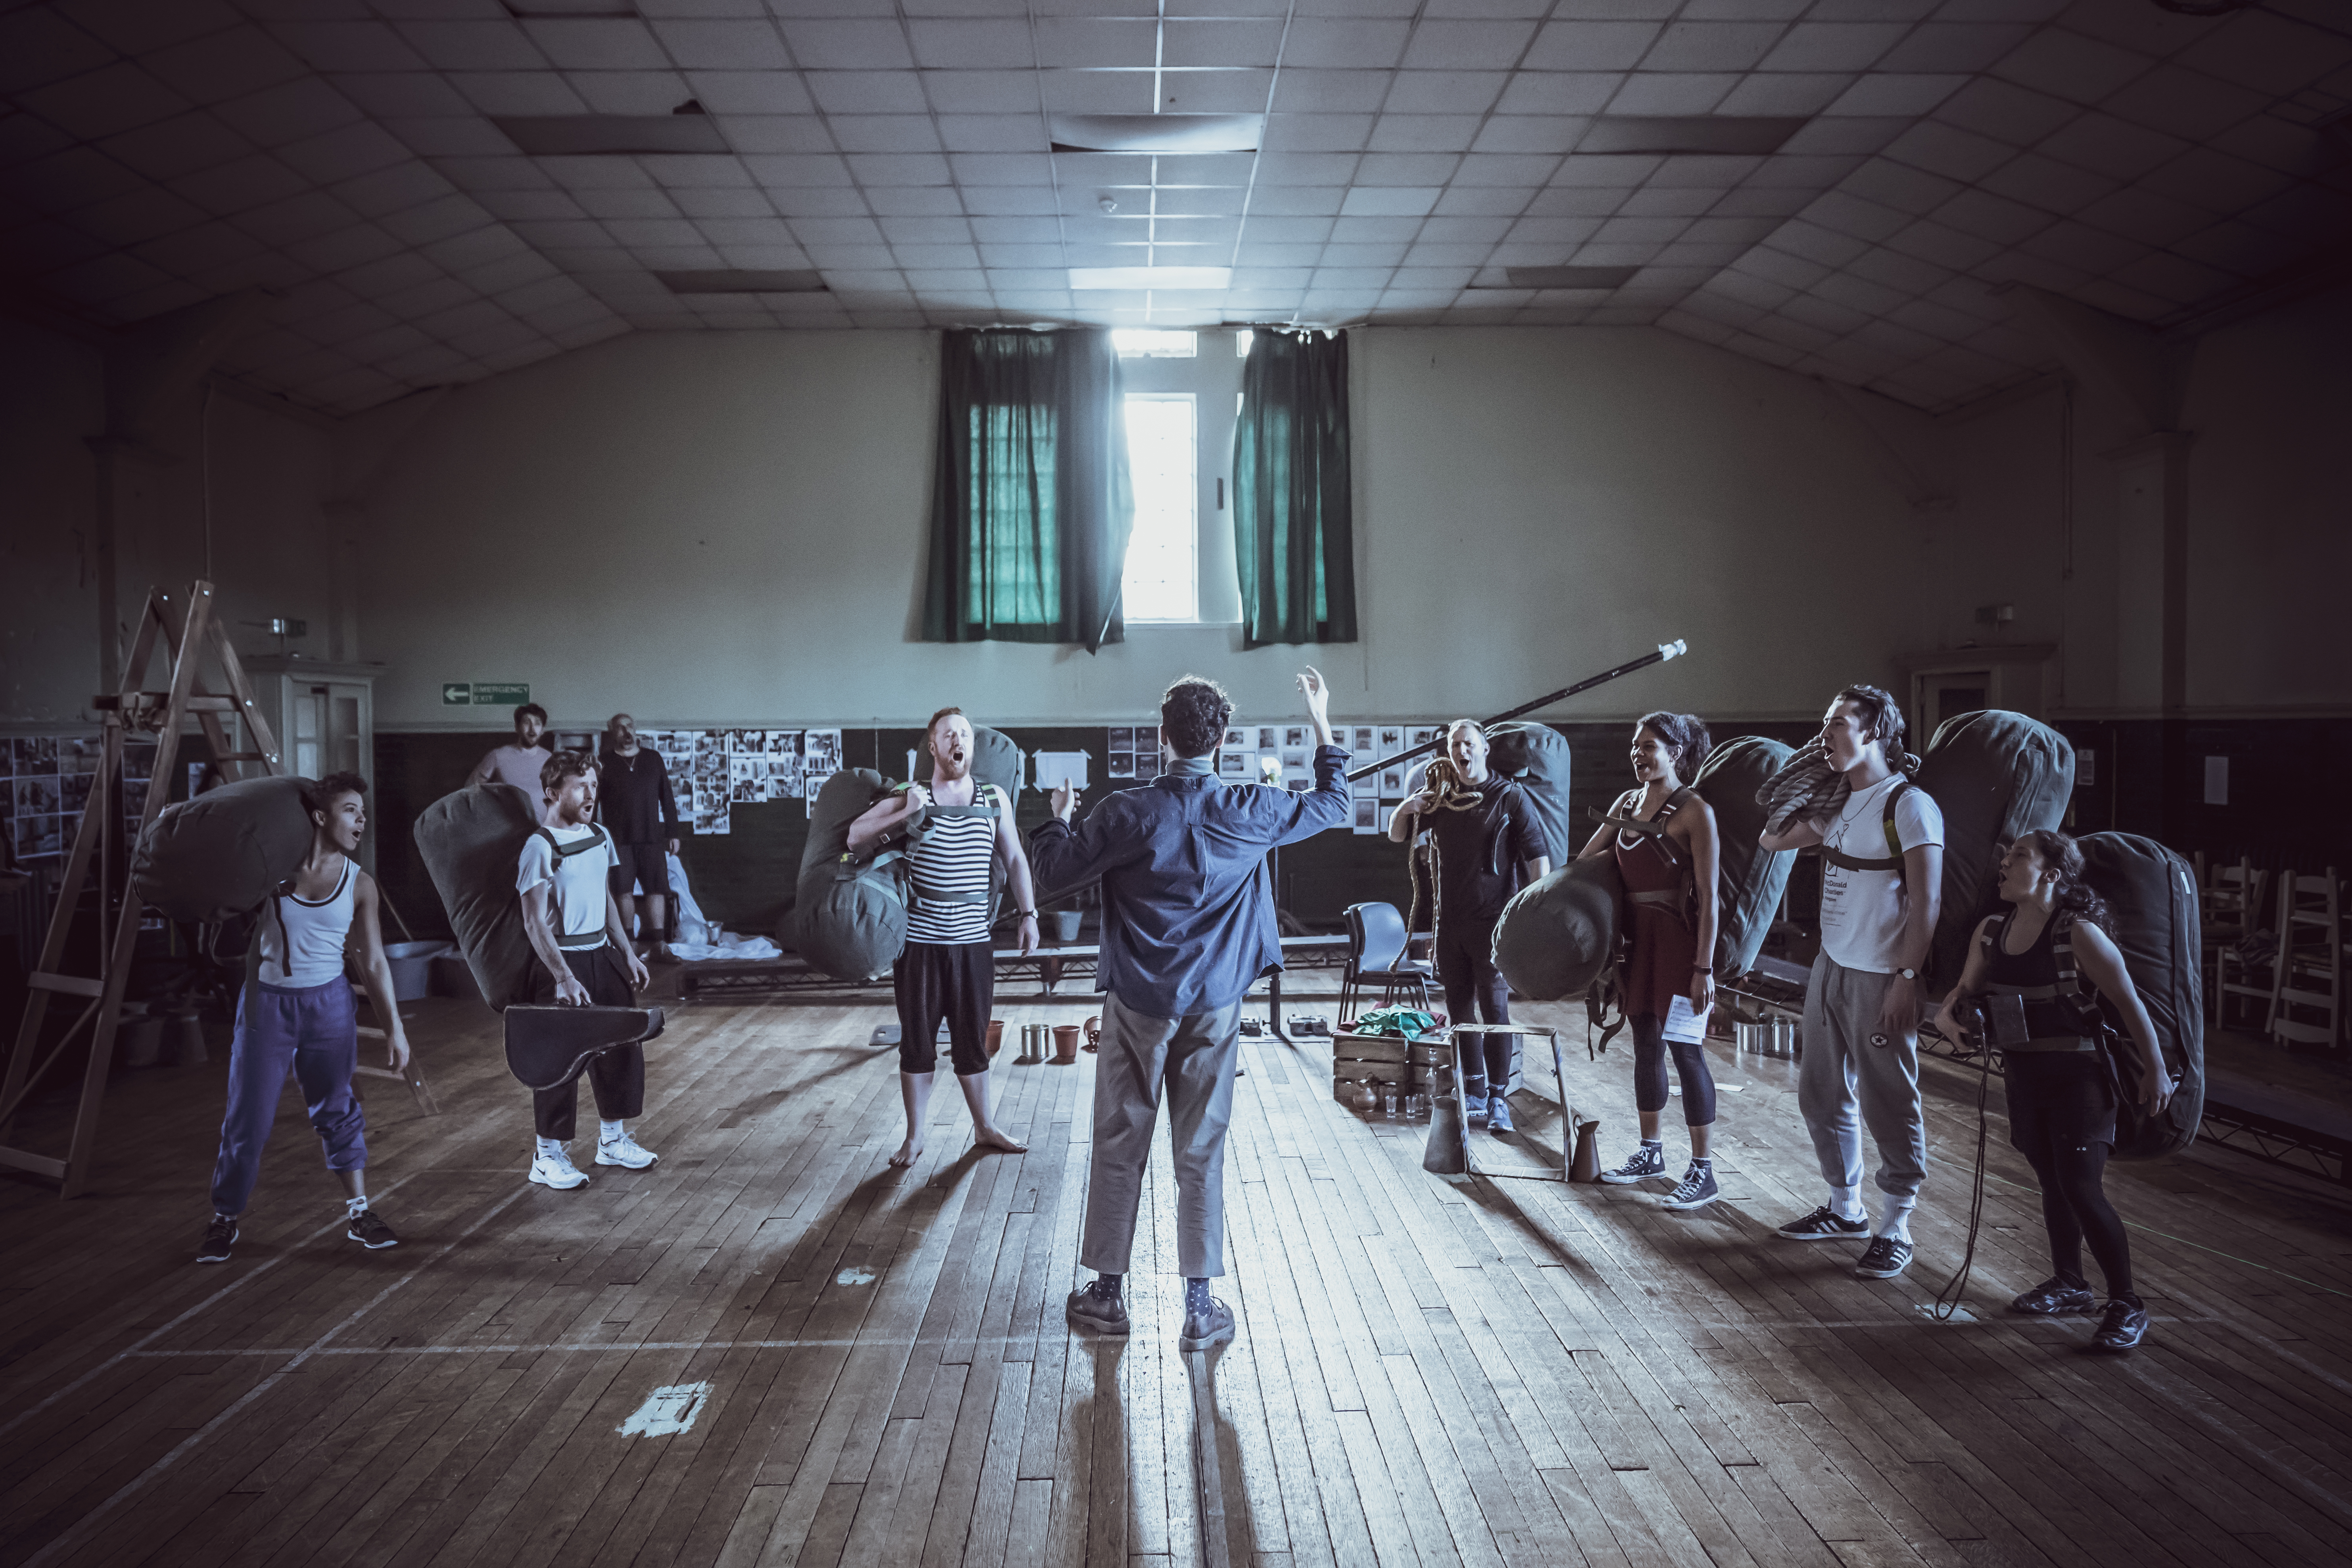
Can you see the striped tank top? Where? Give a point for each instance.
(951, 864)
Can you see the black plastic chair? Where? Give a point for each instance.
(1376, 948)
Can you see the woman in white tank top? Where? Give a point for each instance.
(302, 942)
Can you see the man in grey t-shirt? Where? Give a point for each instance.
(519, 763)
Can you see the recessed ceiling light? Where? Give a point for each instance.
(1598, 278)
(1162, 278)
(743, 280)
(564, 135)
(1719, 134)
(1157, 132)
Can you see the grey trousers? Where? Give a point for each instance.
(1841, 1069)
(1193, 1059)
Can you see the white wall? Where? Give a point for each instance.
(715, 529)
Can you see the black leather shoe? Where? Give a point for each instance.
(1201, 1330)
(1096, 1313)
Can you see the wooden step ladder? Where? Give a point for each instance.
(100, 846)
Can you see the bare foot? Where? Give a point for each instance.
(909, 1152)
(997, 1139)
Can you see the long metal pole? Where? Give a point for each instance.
(1665, 651)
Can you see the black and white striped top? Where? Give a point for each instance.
(951, 867)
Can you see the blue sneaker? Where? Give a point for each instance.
(1498, 1115)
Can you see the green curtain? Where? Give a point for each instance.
(1294, 527)
(1031, 505)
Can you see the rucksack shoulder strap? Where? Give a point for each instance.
(1887, 817)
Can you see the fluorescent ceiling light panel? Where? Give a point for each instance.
(1717, 133)
(1163, 278)
(1157, 132)
(742, 280)
(561, 135)
(1563, 277)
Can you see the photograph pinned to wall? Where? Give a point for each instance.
(708, 784)
(820, 753)
(1422, 735)
(1294, 759)
(1269, 738)
(574, 740)
(1233, 765)
(1361, 740)
(73, 792)
(1391, 739)
(1233, 739)
(1147, 744)
(783, 778)
(33, 754)
(1294, 735)
(1122, 738)
(747, 780)
(1367, 815)
(1121, 765)
(35, 795)
(1392, 783)
(39, 836)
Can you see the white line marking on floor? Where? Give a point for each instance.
(668, 1409)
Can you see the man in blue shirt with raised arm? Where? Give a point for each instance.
(1188, 926)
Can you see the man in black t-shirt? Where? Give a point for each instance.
(1488, 847)
(635, 806)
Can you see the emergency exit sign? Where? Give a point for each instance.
(484, 693)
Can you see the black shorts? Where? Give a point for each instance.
(2060, 1098)
(646, 863)
(954, 981)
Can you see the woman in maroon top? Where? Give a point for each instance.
(1668, 864)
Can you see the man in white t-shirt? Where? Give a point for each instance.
(1881, 876)
(584, 958)
(518, 762)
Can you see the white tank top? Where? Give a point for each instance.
(301, 942)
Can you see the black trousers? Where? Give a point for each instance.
(617, 1076)
(1465, 953)
(951, 980)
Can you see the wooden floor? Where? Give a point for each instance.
(1429, 1371)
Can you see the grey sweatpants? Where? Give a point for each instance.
(1841, 1067)
(1193, 1057)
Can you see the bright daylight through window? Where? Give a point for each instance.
(1163, 579)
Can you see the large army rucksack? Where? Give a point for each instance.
(471, 843)
(2151, 897)
(1996, 776)
(1536, 758)
(219, 855)
(1750, 879)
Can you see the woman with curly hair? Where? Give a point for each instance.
(1667, 855)
(2062, 1097)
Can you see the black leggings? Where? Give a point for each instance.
(1650, 1049)
(2062, 1118)
(951, 980)
(1475, 993)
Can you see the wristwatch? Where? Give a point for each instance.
(1908, 974)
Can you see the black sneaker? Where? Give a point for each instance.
(1824, 1224)
(1884, 1258)
(1096, 1311)
(2054, 1298)
(367, 1229)
(2124, 1325)
(1201, 1330)
(1648, 1161)
(1698, 1188)
(219, 1236)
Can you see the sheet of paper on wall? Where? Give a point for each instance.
(820, 753)
(1269, 737)
(1684, 1025)
(1051, 768)
(707, 784)
(1367, 815)
(1361, 741)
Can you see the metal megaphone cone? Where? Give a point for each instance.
(1447, 1152)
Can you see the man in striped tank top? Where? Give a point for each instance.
(295, 1013)
(960, 830)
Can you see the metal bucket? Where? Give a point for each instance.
(1774, 1036)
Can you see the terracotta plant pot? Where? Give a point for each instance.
(995, 1036)
(1065, 1043)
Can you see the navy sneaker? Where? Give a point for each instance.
(1824, 1224)
(1648, 1161)
(219, 1236)
(1698, 1188)
(1097, 1311)
(1498, 1115)
(1884, 1258)
(1201, 1330)
(367, 1229)
(2123, 1327)
(2054, 1298)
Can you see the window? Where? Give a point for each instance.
(1163, 578)
(1145, 342)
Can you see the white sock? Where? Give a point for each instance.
(550, 1147)
(1846, 1204)
(354, 1207)
(1896, 1222)
(611, 1132)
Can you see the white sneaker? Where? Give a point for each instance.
(623, 1151)
(557, 1170)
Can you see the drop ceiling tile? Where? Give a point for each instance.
(2047, 183)
(1992, 217)
(1007, 201)
(1824, 315)
(1880, 93)
(1582, 45)
(1672, 92)
(996, 43)
(472, 44)
(37, 45)
(888, 133)
(1036, 256)
(291, 113)
(168, 149)
(203, 248)
(2185, 104)
(1559, 93)
(1824, 247)
(1443, 91)
(444, 218)
(1578, 201)
(1547, 134)
(726, 92)
(2120, 300)
(1603, 254)
(629, 91)
(2234, 246)
(467, 136)
(1818, 45)
(1691, 46)
(477, 248)
(105, 101)
(1463, 204)
(1954, 46)
(639, 233)
(1426, 258)
(1781, 266)
(1653, 231)
(1758, 293)
(993, 134)
(2041, 271)
(2005, 111)
(1434, 133)
(1226, 42)
(1849, 214)
(1372, 228)
(1668, 201)
(1685, 323)
(2093, 252)
(756, 133)
(1718, 229)
(937, 256)
(2138, 213)
(678, 170)
(916, 200)
(1785, 93)
(736, 44)
(1318, 133)
(2307, 211)
(1605, 169)
(2175, 279)
(1406, 168)
(518, 92)
(1940, 247)
(2109, 146)
(644, 201)
(1781, 328)
(1859, 293)
(343, 153)
(2070, 65)
(867, 92)
(859, 45)
(1449, 45)
(1364, 258)
(1297, 200)
(1947, 150)
(1900, 186)
(926, 230)
(1704, 172)
(2270, 53)
(1802, 173)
